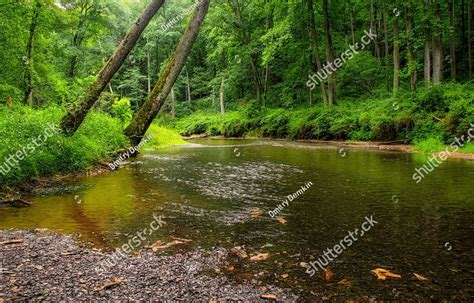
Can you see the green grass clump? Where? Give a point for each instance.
(429, 145)
(162, 137)
(19, 126)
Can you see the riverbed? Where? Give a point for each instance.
(217, 193)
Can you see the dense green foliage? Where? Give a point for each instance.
(439, 112)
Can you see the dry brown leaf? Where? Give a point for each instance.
(256, 212)
(328, 274)
(281, 220)
(383, 274)
(420, 277)
(181, 239)
(260, 257)
(284, 276)
(304, 265)
(213, 300)
(155, 247)
(14, 241)
(114, 281)
(230, 269)
(269, 297)
(345, 283)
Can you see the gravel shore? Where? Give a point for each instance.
(46, 266)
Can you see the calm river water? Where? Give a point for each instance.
(207, 190)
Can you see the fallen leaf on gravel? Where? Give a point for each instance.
(260, 257)
(269, 297)
(155, 247)
(328, 274)
(256, 212)
(114, 281)
(230, 269)
(420, 277)
(181, 239)
(383, 274)
(284, 276)
(281, 220)
(14, 241)
(213, 300)
(345, 283)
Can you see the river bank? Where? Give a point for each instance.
(41, 265)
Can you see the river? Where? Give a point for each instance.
(207, 190)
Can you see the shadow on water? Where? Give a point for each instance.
(207, 190)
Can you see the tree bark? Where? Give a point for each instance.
(329, 52)
(221, 96)
(427, 46)
(452, 40)
(73, 119)
(314, 47)
(173, 104)
(148, 65)
(437, 47)
(373, 28)
(411, 52)
(396, 55)
(387, 49)
(29, 55)
(188, 85)
(147, 113)
(469, 38)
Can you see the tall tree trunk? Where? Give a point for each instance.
(387, 49)
(78, 36)
(437, 47)
(329, 52)
(188, 86)
(73, 119)
(469, 38)
(147, 113)
(29, 55)
(221, 96)
(173, 104)
(411, 53)
(314, 47)
(352, 24)
(452, 40)
(396, 55)
(148, 70)
(373, 28)
(427, 45)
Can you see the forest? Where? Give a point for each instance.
(85, 82)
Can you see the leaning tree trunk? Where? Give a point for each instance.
(139, 125)
(29, 60)
(329, 52)
(73, 119)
